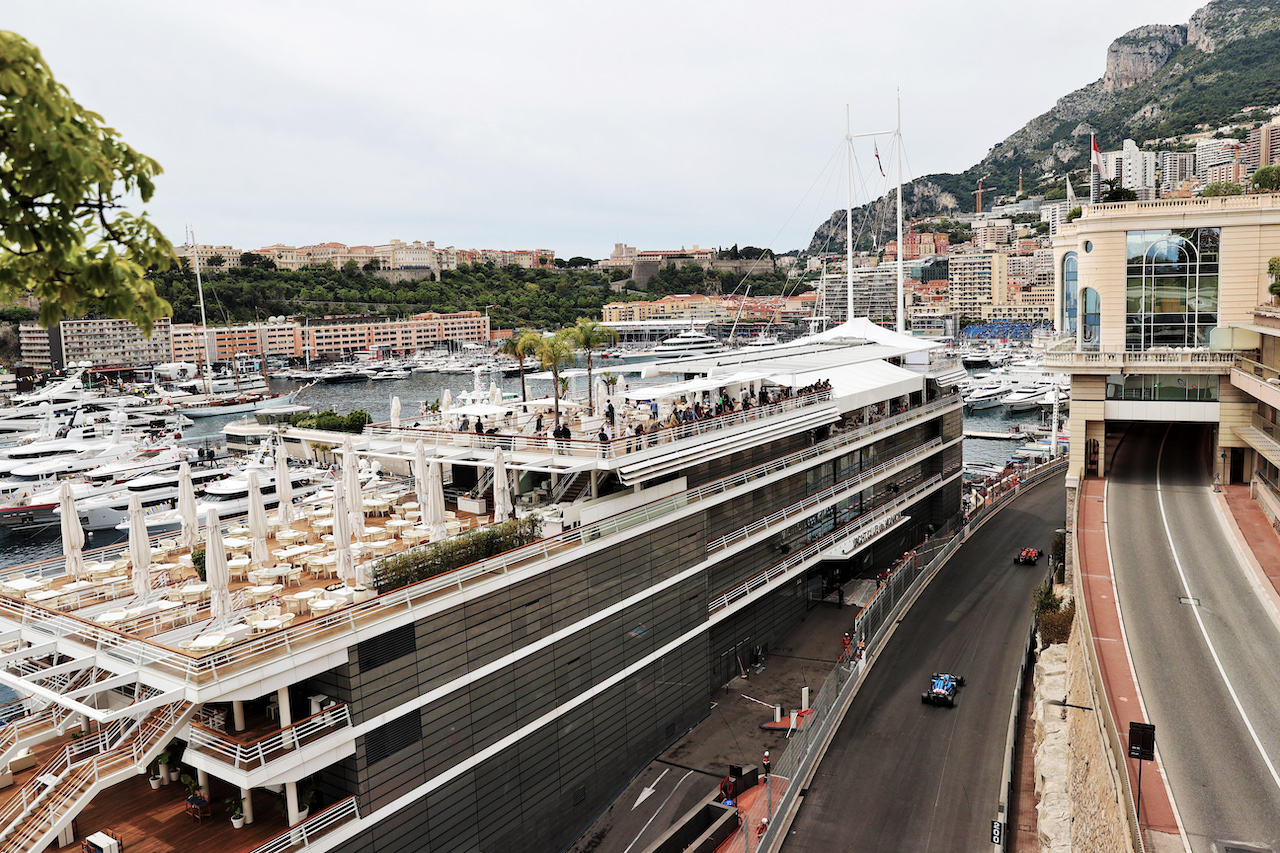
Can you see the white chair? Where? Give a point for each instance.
(253, 617)
(271, 611)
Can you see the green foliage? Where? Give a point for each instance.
(1045, 600)
(1273, 267)
(356, 420)
(691, 278)
(1220, 189)
(1267, 179)
(66, 234)
(330, 421)
(1058, 550)
(554, 353)
(235, 807)
(1115, 192)
(198, 560)
(541, 298)
(1074, 213)
(590, 335)
(419, 564)
(17, 314)
(1055, 625)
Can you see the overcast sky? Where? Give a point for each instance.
(556, 124)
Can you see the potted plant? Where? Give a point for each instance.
(155, 778)
(194, 793)
(235, 806)
(161, 764)
(197, 561)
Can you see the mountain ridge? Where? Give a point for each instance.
(1160, 80)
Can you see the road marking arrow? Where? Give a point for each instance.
(648, 792)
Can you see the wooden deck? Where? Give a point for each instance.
(156, 821)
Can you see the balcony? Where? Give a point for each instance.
(1258, 381)
(251, 763)
(1145, 361)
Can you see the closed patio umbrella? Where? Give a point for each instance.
(72, 532)
(187, 507)
(502, 507)
(495, 394)
(342, 534)
(420, 474)
(351, 484)
(216, 574)
(258, 527)
(284, 486)
(433, 509)
(395, 412)
(446, 400)
(139, 547)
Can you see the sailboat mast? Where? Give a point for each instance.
(204, 324)
(897, 136)
(848, 218)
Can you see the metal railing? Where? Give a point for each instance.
(305, 833)
(591, 446)
(877, 521)
(261, 650)
(803, 506)
(259, 752)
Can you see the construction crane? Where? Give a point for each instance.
(978, 191)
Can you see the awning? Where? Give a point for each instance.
(858, 385)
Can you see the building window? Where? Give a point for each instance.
(1070, 280)
(1190, 388)
(1171, 288)
(1091, 317)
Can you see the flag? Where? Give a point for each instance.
(878, 163)
(1096, 156)
(1071, 195)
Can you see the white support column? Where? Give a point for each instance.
(237, 714)
(286, 713)
(246, 794)
(291, 801)
(202, 779)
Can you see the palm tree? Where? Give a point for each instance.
(591, 335)
(553, 353)
(520, 346)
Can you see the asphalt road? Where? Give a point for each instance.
(901, 775)
(1209, 684)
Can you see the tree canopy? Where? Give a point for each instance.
(1267, 179)
(1221, 188)
(66, 235)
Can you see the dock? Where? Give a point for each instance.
(977, 433)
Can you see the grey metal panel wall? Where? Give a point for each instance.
(540, 793)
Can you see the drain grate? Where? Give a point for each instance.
(1195, 602)
(1231, 848)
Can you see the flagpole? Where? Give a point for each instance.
(897, 136)
(848, 219)
(1095, 170)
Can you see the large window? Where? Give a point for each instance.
(1193, 388)
(1070, 280)
(1171, 292)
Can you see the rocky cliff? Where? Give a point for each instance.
(1159, 81)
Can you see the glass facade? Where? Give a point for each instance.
(1159, 387)
(1070, 277)
(1171, 293)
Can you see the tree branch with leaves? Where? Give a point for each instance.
(66, 234)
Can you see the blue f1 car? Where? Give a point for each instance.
(942, 689)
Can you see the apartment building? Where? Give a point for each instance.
(1176, 168)
(206, 254)
(107, 343)
(978, 280)
(1262, 147)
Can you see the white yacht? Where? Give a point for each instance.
(157, 491)
(1024, 399)
(987, 396)
(230, 496)
(687, 344)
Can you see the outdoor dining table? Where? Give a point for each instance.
(194, 592)
(260, 594)
(322, 523)
(326, 563)
(266, 625)
(238, 530)
(376, 506)
(289, 555)
(98, 571)
(321, 606)
(398, 525)
(22, 586)
(207, 641)
(290, 535)
(297, 602)
(235, 543)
